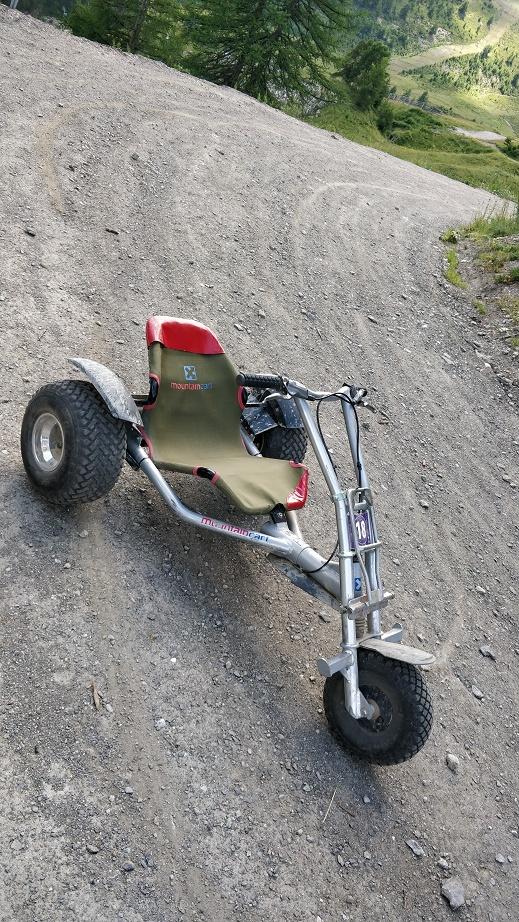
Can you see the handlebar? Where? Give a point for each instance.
(262, 381)
(284, 386)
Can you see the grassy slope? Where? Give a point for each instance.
(470, 108)
(477, 165)
(496, 68)
(487, 169)
(407, 26)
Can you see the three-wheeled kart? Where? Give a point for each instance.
(247, 434)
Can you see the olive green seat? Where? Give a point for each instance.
(192, 420)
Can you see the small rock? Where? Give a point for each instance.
(454, 892)
(30, 232)
(325, 615)
(415, 847)
(83, 534)
(340, 860)
(366, 799)
(372, 319)
(452, 762)
(67, 566)
(443, 864)
(112, 230)
(93, 849)
(476, 692)
(487, 651)
(160, 724)
(134, 156)
(481, 590)
(424, 504)
(128, 866)
(500, 858)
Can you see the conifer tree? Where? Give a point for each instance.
(275, 50)
(366, 74)
(150, 27)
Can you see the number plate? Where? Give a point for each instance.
(362, 529)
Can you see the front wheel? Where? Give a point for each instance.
(402, 720)
(72, 448)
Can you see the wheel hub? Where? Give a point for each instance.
(47, 442)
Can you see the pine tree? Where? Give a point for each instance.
(150, 27)
(275, 50)
(365, 72)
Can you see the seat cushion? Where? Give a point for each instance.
(253, 484)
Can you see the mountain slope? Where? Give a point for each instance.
(320, 258)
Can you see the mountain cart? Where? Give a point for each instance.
(247, 434)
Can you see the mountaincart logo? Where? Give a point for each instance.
(191, 381)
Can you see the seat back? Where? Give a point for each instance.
(193, 407)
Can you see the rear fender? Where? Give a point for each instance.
(261, 418)
(110, 387)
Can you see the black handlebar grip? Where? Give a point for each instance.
(261, 382)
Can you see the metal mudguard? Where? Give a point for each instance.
(260, 418)
(398, 651)
(110, 387)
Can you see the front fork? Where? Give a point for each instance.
(358, 566)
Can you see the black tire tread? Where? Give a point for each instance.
(410, 680)
(94, 469)
(285, 444)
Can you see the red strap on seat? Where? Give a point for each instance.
(182, 335)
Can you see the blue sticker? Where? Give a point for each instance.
(190, 373)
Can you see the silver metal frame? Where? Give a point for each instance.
(333, 584)
(306, 568)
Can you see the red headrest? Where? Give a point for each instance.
(182, 335)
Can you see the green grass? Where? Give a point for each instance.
(510, 306)
(499, 255)
(480, 308)
(493, 67)
(471, 109)
(451, 271)
(492, 224)
(451, 235)
(486, 169)
(508, 278)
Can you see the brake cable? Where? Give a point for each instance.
(358, 463)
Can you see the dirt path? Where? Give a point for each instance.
(199, 790)
(508, 14)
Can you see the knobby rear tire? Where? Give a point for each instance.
(93, 443)
(285, 444)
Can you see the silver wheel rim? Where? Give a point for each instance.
(47, 442)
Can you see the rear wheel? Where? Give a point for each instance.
(285, 444)
(72, 448)
(402, 718)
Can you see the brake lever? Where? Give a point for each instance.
(276, 396)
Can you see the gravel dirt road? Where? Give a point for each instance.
(202, 788)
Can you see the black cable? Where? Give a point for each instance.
(358, 464)
(326, 562)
